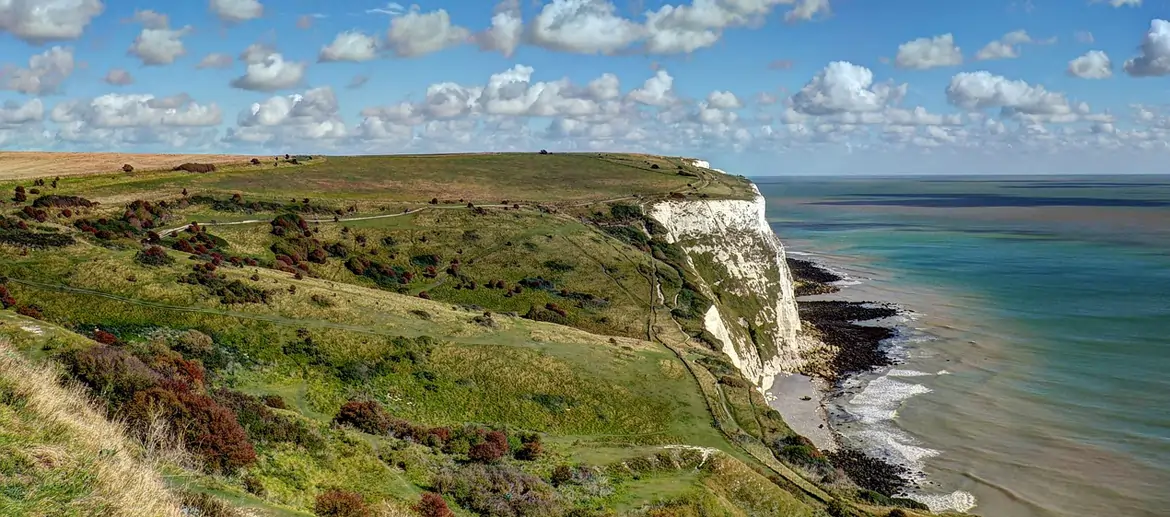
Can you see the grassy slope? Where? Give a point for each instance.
(600, 401)
(60, 456)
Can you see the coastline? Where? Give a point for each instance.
(860, 336)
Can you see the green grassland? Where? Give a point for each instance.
(549, 309)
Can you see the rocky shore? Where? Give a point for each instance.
(857, 349)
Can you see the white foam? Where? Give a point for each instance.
(881, 399)
(897, 447)
(907, 373)
(943, 372)
(958, 501)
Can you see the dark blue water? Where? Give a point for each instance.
(1048, 313)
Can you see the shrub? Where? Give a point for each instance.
(18, 195)
(127, 168)
(263, 425)
(153, 256)
(433, 505)
(897, 512)
(340, 503)
(199, 504)
(111, 372)
(31, 311)
(562, 474)
(498, 491)
(275, 402)
(485, 452)
(56, 201)
(208, 430)
(195, 167)
(530, 451)
(367, 416)
(104, 337)
(253, 485)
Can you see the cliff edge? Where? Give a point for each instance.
(742, 268)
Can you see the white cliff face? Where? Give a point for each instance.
(744, 271)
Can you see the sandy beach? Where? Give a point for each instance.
(806, 417)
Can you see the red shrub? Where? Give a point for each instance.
(424, 295)
(433, 505)
(340, 503)
(366, 416)
(208, 429)
(6, 298)
(499, 439)
(104, 337)
(31, 311)
(530, 451)
(485, 452)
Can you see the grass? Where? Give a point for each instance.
(23, 165)
(62, 457)
(607, 367)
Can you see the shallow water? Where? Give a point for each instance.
(1038, 340)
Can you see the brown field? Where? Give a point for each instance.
(25, 165)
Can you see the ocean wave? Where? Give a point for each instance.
(881, 398)
(958, 501)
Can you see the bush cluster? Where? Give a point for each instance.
(153, 256)
(367, 416)
(167, 386)
(264, 426)
(499, 491)
(340, 503)
(231, 292)
(17, 233)
(195, 167)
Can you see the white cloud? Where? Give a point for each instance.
(118, 77)
(845, 87)
(506, 30)
(268, 71)
(349, 46)
(358, 81)
(13, 114)
(391, 9)
(981, 90)
(1006, 47)
(924, 53)
(42, 21)
(1154, 60)
(215, 60)
(1094, 64)
(158, 44)
(1120, 3)
(235, 11)
(45, 74)
(417, 34)
(583, 26)
(291, 120)
(115, 119)
(656, 91)
(723, 100)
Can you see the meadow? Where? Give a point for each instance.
(497, 334)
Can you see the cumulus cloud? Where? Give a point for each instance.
(1154, 60)
(42, 21)
(136, 119)
(235, 11)
(924, 53)
(14, 114)
(216, 60)
(506, 30)
(45, 74)
(268, 71)
(583, 26)
(118, 77)
(313, 116)
(1006, 47)
(656, 91)
(845, 87)
(349, 46)
(417, 34)
(981, 90)
(1094, 64)
(158, 44)
(724, 100)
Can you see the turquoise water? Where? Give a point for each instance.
(1037, 355)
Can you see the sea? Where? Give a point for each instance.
(1033, 375)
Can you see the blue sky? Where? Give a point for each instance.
(819, 118)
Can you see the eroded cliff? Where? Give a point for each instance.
(742, 267)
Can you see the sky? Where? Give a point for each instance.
(757, 87)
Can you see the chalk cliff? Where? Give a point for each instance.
(742, 268)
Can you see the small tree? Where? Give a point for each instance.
(19, 196)
(340, 503)
(433, 505)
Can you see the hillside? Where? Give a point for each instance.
(500, 334)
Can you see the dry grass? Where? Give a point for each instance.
(125, 485)
(27, 165)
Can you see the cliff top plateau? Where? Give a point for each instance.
(512, 334)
